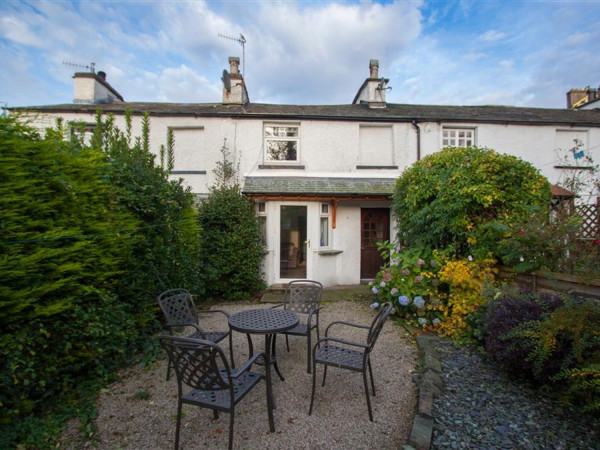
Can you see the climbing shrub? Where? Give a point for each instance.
(465, 200)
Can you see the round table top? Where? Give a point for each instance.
(263, 321)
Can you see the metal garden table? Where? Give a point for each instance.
(268, 322)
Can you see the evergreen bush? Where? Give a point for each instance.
(231, 249)
(61, 263)
(465, 199)
(90, 236)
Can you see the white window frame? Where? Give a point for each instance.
(261, 214)
(82, 131)
(269, 137)
(451, 136)
(325, 215)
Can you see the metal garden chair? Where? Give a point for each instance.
(304, 298)
(204, 378)
(344, 354)
(180, 311)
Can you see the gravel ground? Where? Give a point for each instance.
(481, 408)
(139, 411)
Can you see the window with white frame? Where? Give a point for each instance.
(261, 213)
(324, 226)
(458, 137)
(281, 142)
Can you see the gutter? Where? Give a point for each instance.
(418, 130)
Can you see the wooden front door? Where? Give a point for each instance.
(375, 227)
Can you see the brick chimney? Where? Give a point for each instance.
(234, 88)
(372, 91)
(90, 87)
(579, 97)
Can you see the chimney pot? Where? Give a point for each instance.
(374, 68)
(102, 75)
(234, 62)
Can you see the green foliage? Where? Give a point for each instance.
(552, 340)
(465, 198)
(550, 243)
(90, 236)
(167, 255)
(553, 242)
(231, 251)
(60, 262)
(408, 279)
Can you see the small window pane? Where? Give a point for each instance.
(282, 150)
(261, 207)
(262, 221)
(324, 208)
(324, 231)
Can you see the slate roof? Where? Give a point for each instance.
(319, 186)
(359, 112)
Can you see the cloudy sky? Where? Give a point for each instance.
(509, 52)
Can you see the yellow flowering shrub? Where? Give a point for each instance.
(465, 280)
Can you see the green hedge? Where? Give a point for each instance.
(90, 236)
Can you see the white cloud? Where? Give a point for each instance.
(302, 52)
(16, 30)
(492, 36)
(578, 38)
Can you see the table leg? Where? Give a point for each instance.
(270, 398)
(275, 359)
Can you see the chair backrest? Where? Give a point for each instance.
(377, 324)
(302, 296)
(178, 307)
(198, 363)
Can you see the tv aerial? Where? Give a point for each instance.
(91, 67)
(382, 85)
(242, 41)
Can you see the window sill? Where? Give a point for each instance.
(188, 172)
(376, 167)
(329, 252)
(280, 166)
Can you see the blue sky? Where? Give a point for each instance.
(522, 53)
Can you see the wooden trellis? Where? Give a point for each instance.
(590, 220)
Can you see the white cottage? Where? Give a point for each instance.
(322, 176)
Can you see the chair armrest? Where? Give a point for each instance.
(210, 311)
(339, 341)
(339, 322)
(279, 305)
(247, 365)
(314, 311)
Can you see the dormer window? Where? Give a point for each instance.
(281, 142)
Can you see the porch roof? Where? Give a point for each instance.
(327, 186)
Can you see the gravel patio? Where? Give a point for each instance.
(139, 411)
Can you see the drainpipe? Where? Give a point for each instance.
(418, 130)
